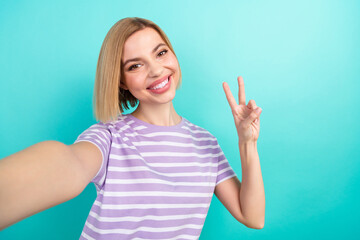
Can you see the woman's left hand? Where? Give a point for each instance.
(246, 117)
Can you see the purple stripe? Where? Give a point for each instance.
(224, 175)
(167, 148)
(166, 169)
(167, 235)
(178, 159)
(163, 159)
(150, 211)
(146, 235)
(223, 165)
(146, 162)
(147, 174)
(155, 187)
(179, 139)
(153, 200)
(145, 131)
(145, 223)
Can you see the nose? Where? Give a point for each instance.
(155, 69)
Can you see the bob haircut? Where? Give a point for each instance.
(110, 99)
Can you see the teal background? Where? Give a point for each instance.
(300, 61)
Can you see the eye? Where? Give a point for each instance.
(132, 67)
(164, 51)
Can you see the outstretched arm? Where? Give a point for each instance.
(42, 176)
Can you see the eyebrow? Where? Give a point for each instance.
(137, 59)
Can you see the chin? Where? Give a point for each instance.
(169, 98)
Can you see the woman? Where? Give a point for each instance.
(154, 171)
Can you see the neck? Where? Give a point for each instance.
(161, 114)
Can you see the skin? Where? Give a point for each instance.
(154, 108)
(246, 117)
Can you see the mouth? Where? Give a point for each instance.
(158, 84)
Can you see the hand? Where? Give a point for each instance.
(246, 117)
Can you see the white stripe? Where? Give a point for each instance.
(136, 169)
(130, 122)
(163, 154)
(224, 162)
(195, 131)
(123, 128)
(173, 134)
(224, 170)
(186, 164)
(158, 181)
(147, 217)
(154, 194)
(139, 128)
(87, 236)
(100, 131)
(101, 181)
(147, 229)
(149, 206)
(124, 157)
(192, 125)
(175, 144)
(182, 236)
(97, 126)
(99, 145)
(89, 135)
(179, 154)
(122, 145)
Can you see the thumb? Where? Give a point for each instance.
(253, 115)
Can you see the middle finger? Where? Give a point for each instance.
(242, 98)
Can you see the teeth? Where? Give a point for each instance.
(161, 85)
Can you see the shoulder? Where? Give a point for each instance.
(104, 132)
(196, 129)
(119, 124)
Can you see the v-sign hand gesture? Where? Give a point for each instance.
(246, 117)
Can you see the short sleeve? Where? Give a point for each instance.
(224, 170)
(99, 135)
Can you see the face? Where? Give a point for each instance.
(151, 69)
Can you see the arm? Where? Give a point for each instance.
(245, 200)
(252, 193)
(42, 176)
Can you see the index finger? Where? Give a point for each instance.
(229, 96)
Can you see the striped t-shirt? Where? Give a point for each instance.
(155, 182)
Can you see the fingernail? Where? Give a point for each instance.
(258, 110)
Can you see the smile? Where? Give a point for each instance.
(161, 85)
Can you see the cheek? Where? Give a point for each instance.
(173, 63)
(134, 80)
(171, 60)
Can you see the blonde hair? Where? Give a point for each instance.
(110, 99)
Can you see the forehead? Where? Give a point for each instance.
(141, 42)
